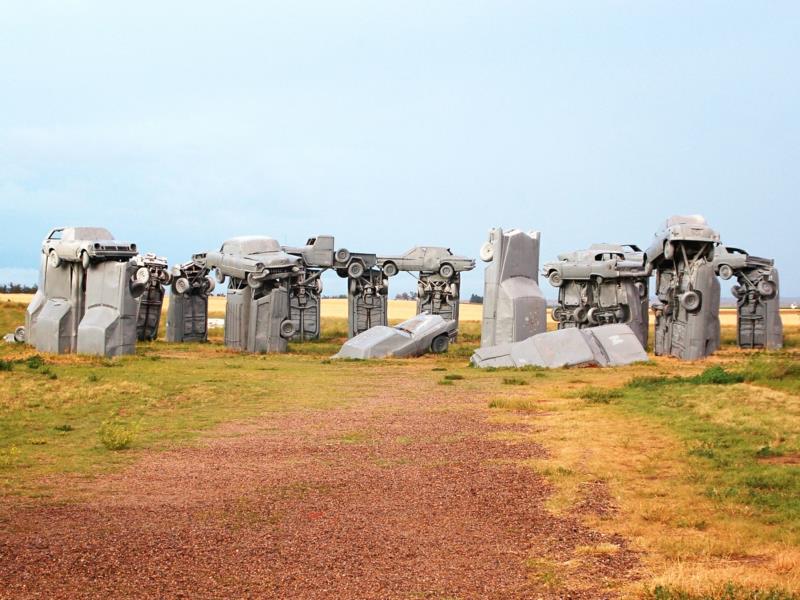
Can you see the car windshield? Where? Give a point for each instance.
(414, 324)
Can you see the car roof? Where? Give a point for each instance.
(250, 244)
(84, 233)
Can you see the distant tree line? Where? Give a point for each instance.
(17, 288)
(475, 299)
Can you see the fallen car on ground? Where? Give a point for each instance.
(603, 346)
(420, 334)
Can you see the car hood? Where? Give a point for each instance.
(375, 342)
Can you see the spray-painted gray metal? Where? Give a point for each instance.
(603, 346)
(113, 289)
(318, 255)
(513, 305)
(187, 314)
(439, 277)
(152, 300)
(757, 296)
(367, 301)
(71, 276)
(687, 315)
(604, 284)
(257, 308)
(420, 334)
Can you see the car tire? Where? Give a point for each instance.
(53, 259)
(580, 314)
(355, 269)
(85, 261)
(390, 269)
(487, 252)
(669, 250)
(558, 314)
(447, 270)
(209, 285)
(691, 301)
(737, 291)
(591, 316)
(725, 272)
(767, 289)
(165, 277)
(19, 334)
(342, 255)
(554, 277)
(253, 282)
(440, 344)
(181, 285)
(287, 329)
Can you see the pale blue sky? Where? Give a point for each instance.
(178, 124)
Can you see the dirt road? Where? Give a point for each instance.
(407, 493)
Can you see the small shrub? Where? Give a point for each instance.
(37, 441)
(453, 377)
(522, 404)
(65, 427)
(600, 395)
(35, 362)
(716, 375)
(514, 381)
(6, 365)
(93, 378)
(438, 369)
(116, 435)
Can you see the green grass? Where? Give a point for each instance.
(729, 429)
(727, 592)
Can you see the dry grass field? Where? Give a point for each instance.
(194, 471)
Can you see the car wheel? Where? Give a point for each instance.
(691, 300)
(767, 288)
(19, 334)
(142, 275)
(737, 291)
(85, 262)
(165, 277)
(208, 285)
(591, 316)
(342, 255)
(487, 252)
(219, 276)
(440, 344)
(390, 269)
(558, 314)
(253, 281)
(287, 329)
(447, 271)
(355, 270)
(669, 250)
(53, 259)
(580, 314)
(554, 277)
(641, 289)
(181, 285)
(725, 271)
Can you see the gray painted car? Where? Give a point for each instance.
(414, 337)
(599, 261)
(253, 259)
(682, 228)
(603, 346)
(85, 245)
(426, 259)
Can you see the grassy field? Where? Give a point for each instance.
(697, 463)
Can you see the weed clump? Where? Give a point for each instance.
(445, 382)
(35, 362)
(716, 375)
(453, 377)
(66, 427)
(6, 365)
(93, 378)
(600, 395)
(115, 435)
(514, 381)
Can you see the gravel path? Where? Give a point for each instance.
(406, 494)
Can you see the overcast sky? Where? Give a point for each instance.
(393, 124)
